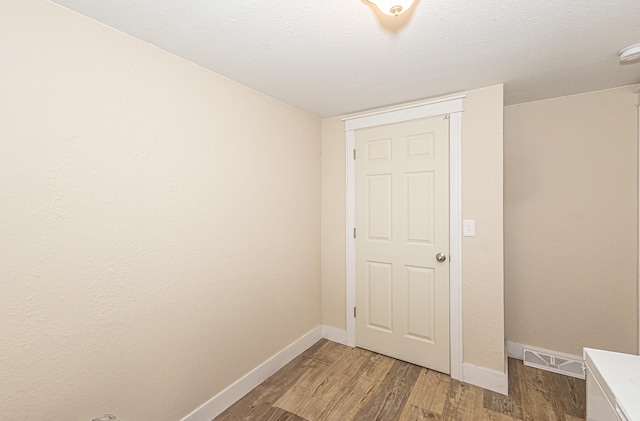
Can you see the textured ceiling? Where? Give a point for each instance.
(333, 57)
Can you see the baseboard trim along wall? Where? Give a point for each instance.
(486, 378)
(334, 334)
(223, 400)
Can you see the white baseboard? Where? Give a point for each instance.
(486, 378)
(515, 350)
(223, 400)
(334, 334)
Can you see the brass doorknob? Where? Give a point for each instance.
(441, 257)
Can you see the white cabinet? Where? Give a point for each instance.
(613, 386)
(599, 407)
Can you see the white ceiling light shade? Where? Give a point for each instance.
(630, 53)
(392, 7)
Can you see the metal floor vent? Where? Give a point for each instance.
(557, 364)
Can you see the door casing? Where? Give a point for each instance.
(453, 107)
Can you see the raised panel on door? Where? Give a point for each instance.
(420, 290)
(379, 303)
(379, 195)
(420, 203)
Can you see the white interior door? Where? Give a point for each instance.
(402, 223)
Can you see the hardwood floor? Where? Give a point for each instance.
(334, 382)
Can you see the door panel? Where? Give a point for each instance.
(402, 222)
(379, 193)
(421, 285)
(380, 295)
(420, 203)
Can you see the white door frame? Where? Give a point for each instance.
(453, 107)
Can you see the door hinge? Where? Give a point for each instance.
(354, 233)
(354, 312)
(354, 154)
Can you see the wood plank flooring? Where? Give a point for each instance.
(333, 382)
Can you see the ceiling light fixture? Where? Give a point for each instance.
(630, 53)
(392, 7)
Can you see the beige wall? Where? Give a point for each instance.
(570, 222)
(483, 255)
(159, 226)
(483, 306)
(333, 223)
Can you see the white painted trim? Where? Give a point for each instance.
(638, 238)
(220, 402)
(453, 107)
(334, 334)
(516, 350)
(408, 113)
(351, 241)
(506, 365)
(486, 378)
(404, 107)
(455, 245)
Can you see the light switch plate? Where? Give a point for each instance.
(469, 227)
